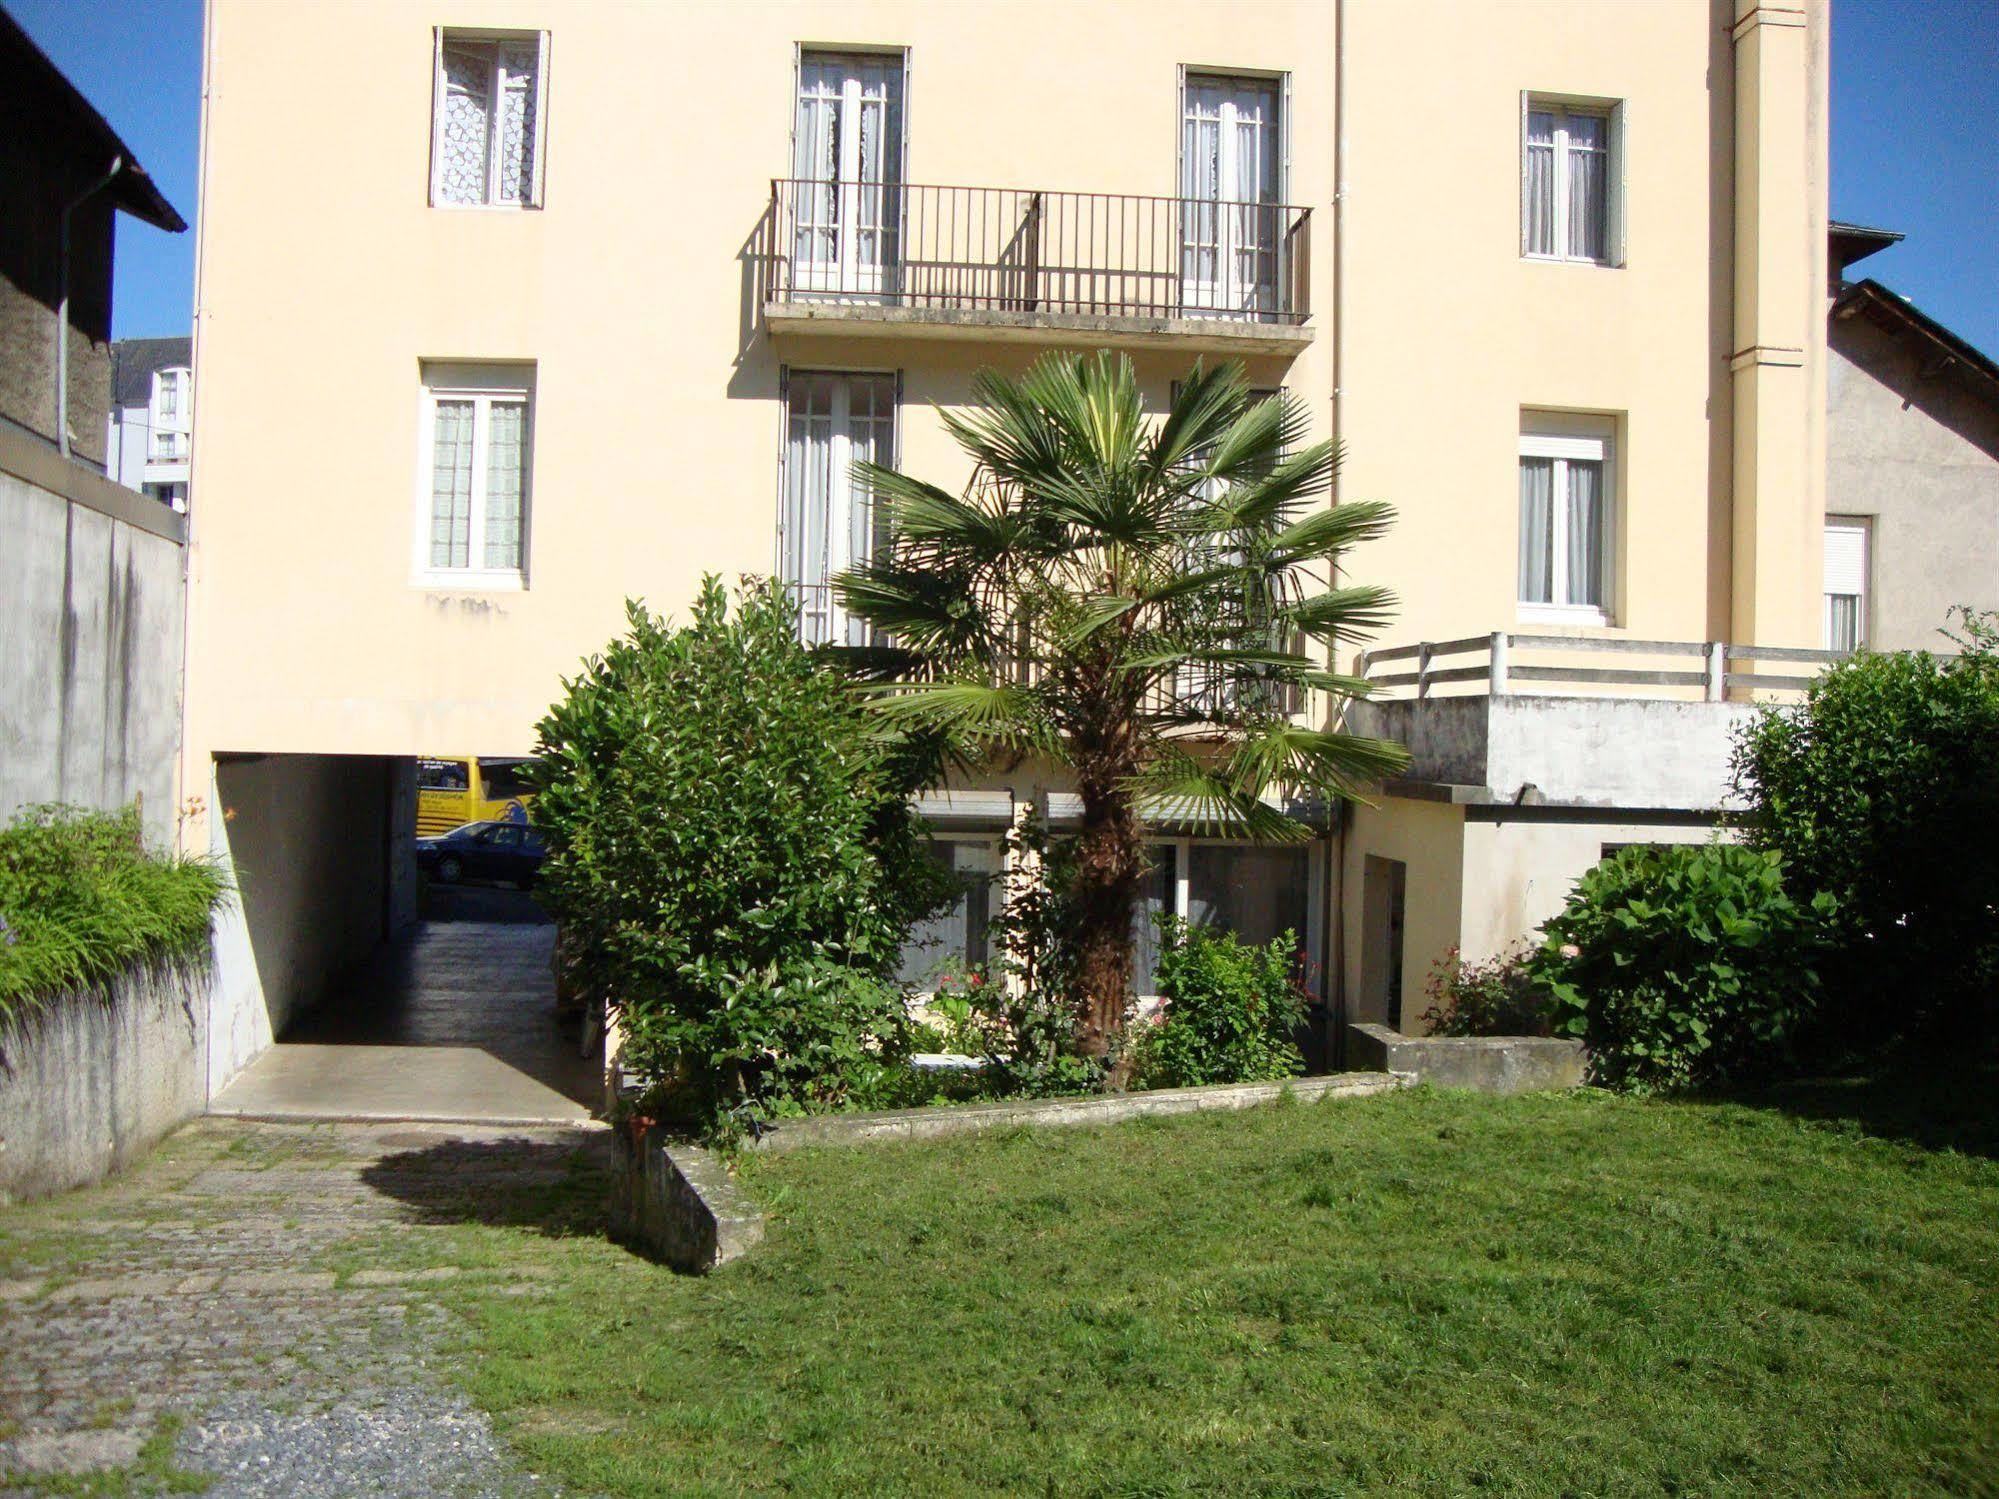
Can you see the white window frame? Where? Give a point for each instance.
(1229, 295)
(1583, 448)
(839, 464)
(1862, 613)
(483, 385)
(1615, 114)
(847, 276)
(439, 35)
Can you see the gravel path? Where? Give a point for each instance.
(212, 1312)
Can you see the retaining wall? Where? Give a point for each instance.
(1483, 1064)
(88, 1083)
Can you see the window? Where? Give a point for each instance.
(826, 524)
(478, 446)
(846, 153)
(170, 381)
(1845, 583)
(1569, 181)
(955, 939)
(1256, 892)
(1565, 515)
(488, 113)
(1231, 160)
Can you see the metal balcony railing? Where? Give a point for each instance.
(1025, 251)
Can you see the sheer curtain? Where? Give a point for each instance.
(1537, 530)
(1540, 189)
(451, 485)
(1588, 158)
(1584, 584)
(506, 439)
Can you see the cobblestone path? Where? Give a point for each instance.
(215, 1312)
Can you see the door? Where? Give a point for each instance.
(1231, 156)
(847, 159)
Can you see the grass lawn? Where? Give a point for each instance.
(1427, 1293)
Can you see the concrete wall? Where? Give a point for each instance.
(1573, 751)
(90, 636)
(1917, 451)
(1520, 867)
(90, 1082)
(306, 838)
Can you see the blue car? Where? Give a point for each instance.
(495, 852)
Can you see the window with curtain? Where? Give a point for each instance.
(956, 938)
(477, 437)
(486, 125)
(1845, 583)
(833, 422)
(1565, 526)
(1566, 183)
(1231, 153)
(846, 152)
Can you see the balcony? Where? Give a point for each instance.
(1530, 720)
(1027, 266)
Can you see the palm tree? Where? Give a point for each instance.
(1135, 601)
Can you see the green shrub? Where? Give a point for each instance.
(1232, 1010)
(1684, 966)
(1495, 998)
(82, 900)
(733, 861)
(1879, 790)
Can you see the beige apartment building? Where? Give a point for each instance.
(600, 298)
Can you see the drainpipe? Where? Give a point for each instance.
(1336, 894)
(1339, 211)
(62, 300)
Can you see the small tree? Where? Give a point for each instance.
(1879, 790)
(732, 858)
(1134, 600)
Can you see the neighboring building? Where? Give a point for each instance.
(91, 574)
(151, 428)
(1554, 274)
(1912, 465)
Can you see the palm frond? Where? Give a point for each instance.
(1325, 534)
(1355, 613)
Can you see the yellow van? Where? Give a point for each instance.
(452, 790)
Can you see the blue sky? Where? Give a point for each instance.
(1915, 141)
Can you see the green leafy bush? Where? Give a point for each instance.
(1684, 966)
(82, 899)
(1879, 790)
(733, 861)
(1498, 997)
(1232, 1010)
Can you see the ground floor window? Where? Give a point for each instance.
(1255, 891)
(957, 938)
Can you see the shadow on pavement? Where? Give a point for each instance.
(557, 1188)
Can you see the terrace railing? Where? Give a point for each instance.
(1025, 251)
(1715, 666)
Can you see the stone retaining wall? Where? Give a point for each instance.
(90, 1082)
(675, 1201)
(1103, 1108)
(1483, 1064)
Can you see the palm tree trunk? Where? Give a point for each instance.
(1110, 863)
